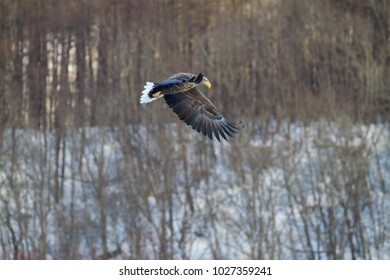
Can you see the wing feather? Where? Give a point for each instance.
(226, 130)
(197, 111)
(209, 129)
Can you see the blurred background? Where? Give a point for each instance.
(86, 172)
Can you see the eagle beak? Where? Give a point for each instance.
(206, 82)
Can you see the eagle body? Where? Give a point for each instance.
(176, 83)
(192, 107)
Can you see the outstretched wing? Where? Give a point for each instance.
(196, 110)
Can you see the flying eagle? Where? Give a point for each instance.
(182, 95)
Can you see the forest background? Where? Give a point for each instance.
(87, 172)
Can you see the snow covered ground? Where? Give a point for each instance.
(293, 192)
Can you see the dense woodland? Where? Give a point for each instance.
(76, 63)
(88, 172)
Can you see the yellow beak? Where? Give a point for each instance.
(206, 82)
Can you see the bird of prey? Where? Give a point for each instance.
(181, 93)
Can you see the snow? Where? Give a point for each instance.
(245, 195)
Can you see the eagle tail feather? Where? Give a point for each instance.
(145, 97)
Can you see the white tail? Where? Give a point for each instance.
(145, 97)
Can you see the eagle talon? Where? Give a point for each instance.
(157, 94)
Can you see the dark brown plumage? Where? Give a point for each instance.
(192, 107)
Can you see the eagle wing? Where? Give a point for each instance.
(196, 110)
